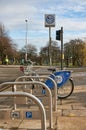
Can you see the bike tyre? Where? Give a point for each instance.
(69, 84)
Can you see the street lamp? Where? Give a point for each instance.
(26, 39)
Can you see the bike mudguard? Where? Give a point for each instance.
(60, 77)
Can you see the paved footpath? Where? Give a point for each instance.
(72, 111)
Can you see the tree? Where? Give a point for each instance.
(7, 48)
(55, 53)
(44, 55)
(31, 52)
(84, 52)
(73, 51)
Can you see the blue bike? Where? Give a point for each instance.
(64, 82)
(65, 85)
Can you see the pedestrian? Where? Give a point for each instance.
(6, 60)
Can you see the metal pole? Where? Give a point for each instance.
(50, 59)
(26, 39)
(62, 55)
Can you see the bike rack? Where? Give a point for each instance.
(43, 77)
(35, 99)
(50, 118)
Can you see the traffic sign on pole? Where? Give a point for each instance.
(49, 20)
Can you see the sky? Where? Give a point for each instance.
(69, 14)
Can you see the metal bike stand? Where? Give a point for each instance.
(43, 77)
(36, 83)
(35, 99)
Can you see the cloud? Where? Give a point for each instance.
(71, 14)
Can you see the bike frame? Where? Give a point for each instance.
(60, 77)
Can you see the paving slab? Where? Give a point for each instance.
(72, 111)
(71, 123)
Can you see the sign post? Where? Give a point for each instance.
(26, 39)
(50, 22)
(62, 53)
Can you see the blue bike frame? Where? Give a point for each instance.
(60, 77)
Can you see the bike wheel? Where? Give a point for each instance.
(66, 90)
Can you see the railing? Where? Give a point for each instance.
(35, 83)
(35, 99)
(42, 77)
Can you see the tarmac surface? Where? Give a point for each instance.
(71, 112)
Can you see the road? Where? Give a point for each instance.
(10, 73)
